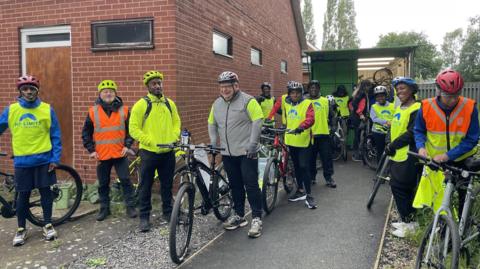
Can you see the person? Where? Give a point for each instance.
(359, 108)
(239, 133)
(342, 99)
(446, 130)
(266, 102)
(403, 170)
(37, 148)
(105, 136)
(154, 120)
(300, 117)
(381, 114)
(321, 134)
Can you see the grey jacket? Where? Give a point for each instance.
(232, 124)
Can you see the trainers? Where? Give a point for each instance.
(234, 222)
(49, 232)
(331, 183)
(131, 212)
(103, 213)
(310, 202)
(406, 228)
(20, 237)
(144, 225)
(298, 196)
(398, 225)
(256, 228)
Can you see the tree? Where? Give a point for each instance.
(329, 26)
(427, 61)
(469, 55)
(452, 44)
(339, 29)
(307, 16)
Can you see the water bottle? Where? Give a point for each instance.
(185, 137)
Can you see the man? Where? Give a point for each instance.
(266, 102)
(105, 136)
(381, 114)
(37, 148)
(321, 134)
(447, 130)
(236, 121)
(154, 120)
(300, 116)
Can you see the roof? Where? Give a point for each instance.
(297, 16)
(354, 54)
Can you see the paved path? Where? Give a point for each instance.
(340, 233)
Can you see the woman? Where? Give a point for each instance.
(359, 109)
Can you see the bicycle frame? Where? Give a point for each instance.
(466, 210)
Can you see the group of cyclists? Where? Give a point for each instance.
(444, 128)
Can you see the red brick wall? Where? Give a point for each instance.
(269, 26)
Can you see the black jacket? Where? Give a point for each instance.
(87, 131)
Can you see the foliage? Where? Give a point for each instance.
(307, 17)
(339, 29)
(452, 44)
(469, 60)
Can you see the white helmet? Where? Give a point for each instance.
(380, 90)
(331, 98)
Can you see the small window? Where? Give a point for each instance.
(48, 37)
(222, 44)
(256, 56)
(125, 34)
(283, 66)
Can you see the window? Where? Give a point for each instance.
(125, 34)
(48, 37)
(256, 56)
(222, 44)
(283, 66)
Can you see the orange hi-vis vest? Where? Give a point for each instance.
(109, 132)
(446, 132)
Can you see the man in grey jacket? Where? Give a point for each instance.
(236, 121)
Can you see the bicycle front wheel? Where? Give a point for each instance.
(270, 185)
(289, 180)
(370, 154)
(444, 251)
(470, 250)
(181, 223)
(67, 194)
(222, 197)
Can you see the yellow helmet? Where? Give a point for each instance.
(151, 74)
(107, 84)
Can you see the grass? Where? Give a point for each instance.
(94, 262)
(56, 244)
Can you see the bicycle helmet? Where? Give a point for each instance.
(28, 80)
(405, 80)
(266, 84)
(107, 84)
(151, 74)
(294, 86)
(313, 82)
(449, 81)
(227, 77)
(380, 90)
(330, 98)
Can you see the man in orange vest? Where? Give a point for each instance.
(105, 136)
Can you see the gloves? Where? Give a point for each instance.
(297, 131)
(268, 122)
(260, 99)
(389, 150)
(252, 151)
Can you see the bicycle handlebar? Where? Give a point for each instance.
(443, 166)
(275, 130)
(191, 147)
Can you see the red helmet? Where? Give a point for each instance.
(449, 81)
(28, 79)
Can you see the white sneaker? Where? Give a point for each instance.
(406, 228)
(49, 232)
(399, 232)
(20, 237)
(398, 225)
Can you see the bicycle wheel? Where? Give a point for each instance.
(67, 194)
(378, 181)
(270, 185)
(337, 148)
(289, 180)
(223, 201)
(470, 252)
(370, 154)
(445, 245)
(181, 223)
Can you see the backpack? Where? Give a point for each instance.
(149, 107)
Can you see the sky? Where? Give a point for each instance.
(376, 17)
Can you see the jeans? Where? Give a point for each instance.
(302, 158)
(104, 169)
(379, 139)
(322, 145)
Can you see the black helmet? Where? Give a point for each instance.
(313, 82)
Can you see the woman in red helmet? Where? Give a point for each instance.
(447, 130)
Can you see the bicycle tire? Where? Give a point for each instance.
(337, 150)
(271, 169)
(289, 180)
(181, 221)
(444, 222)
(223, 201)
(373, 194)
(472, 226)
(59, 216)
(369, 154)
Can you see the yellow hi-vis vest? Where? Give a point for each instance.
(384, 113)
(295, 115)
(267, 106)
(399, 126)
(30, 128)
(342, 103)
(321, 108)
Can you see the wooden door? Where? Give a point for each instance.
(52, 66)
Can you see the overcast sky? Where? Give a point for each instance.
(376, 17)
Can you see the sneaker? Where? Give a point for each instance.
(398, 225)
(49, 232)
(256, 228)
(331, 183)
(131, 212)
(144, 225)
(310, 202)
(298, 196)
(103, 213)
(234, 222)
(406, 228)
(20, 237)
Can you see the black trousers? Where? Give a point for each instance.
(379, 140)
(164, 164)
(104, 169)
(242, 173)
(302, 158)
(322, 145)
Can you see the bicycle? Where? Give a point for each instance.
(381, 176)
(367, 148)
(339, 141)
(447, 253)
(214, 194)
(67, 195)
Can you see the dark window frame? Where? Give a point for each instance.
(229, 39)
(126, 45)
(260, 56)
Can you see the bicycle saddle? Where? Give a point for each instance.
(472, 164)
